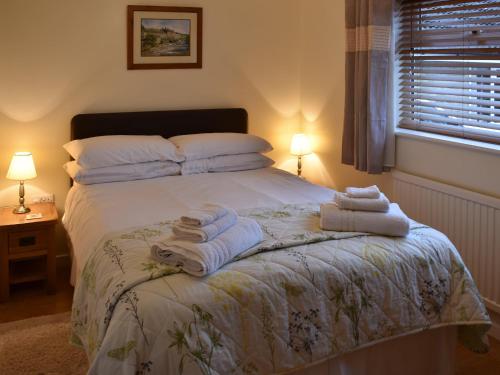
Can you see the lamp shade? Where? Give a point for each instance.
(300, 145)
(21, 167)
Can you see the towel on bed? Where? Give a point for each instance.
(392, 223)
(371, 192)
(203, 216)
(200, 259)
(344, 202)
(208, 232)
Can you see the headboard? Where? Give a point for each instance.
(164, 123)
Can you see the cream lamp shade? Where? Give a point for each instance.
(300, 145)
(21, 167)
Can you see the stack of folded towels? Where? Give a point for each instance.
(207, 238)
(364, 210)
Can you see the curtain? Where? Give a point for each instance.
(368, 97)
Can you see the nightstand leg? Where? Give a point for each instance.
(51, 264)
(4, 268)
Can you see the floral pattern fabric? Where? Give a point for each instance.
(302, 296)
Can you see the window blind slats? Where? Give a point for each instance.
(450, 13)
(484, 135)
(452, 19)
(439, 99)
(441, 6)
(458, 92)
(470, 74)
(466, 42)
(453, 86)
(471, 108)
(440, 33)
(449, 117)
(449, 67)
(459, 7)
(429, 3)
(464, 56)
(440, 77)
(433, 3)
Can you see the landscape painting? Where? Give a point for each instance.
(165, 37)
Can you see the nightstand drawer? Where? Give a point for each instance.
(21, 242)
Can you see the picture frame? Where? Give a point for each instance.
(164, 37)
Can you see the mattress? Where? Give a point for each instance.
(91, 211)
(281, 311)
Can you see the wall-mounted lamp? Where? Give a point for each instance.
(300, 146)
(21, 168)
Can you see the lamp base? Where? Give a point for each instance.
(21, 210)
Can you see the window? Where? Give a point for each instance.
(449, 67)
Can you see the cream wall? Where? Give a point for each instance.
(474, 170)
(63, 57)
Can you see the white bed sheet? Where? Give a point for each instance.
(93, 210)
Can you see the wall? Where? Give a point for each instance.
(60, 58)
(470, 169)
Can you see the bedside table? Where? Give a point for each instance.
(27, 250)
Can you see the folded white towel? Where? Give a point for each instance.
(371, 192)
(344, 202)
(392, 223)
(204, 216)
(208, 232)
(199, 259)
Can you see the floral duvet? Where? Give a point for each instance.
(302, 296)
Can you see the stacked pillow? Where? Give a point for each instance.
(125, 172)
(116, 158)
(222, 152)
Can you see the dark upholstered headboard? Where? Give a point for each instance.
(164, 123)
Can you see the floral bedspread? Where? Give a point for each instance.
(316, 295)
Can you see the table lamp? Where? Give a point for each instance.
(21, 169)
(300, 146)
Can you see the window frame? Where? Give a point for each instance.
(414, 120)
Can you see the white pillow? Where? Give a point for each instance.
(111, 150)
(226, 163)
(206, 145)
(126, 172)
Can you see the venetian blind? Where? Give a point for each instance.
(449, 67)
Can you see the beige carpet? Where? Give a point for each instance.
(40, 346)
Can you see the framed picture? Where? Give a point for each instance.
(164, 37)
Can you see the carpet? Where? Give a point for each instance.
(40, 346)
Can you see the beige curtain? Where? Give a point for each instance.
(368, 100)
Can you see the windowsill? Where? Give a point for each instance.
(450, 141)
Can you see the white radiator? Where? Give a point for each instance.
(470, 220)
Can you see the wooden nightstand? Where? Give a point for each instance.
(27, 251)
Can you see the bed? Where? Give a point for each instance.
(353, 305)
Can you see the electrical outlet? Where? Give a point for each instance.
(46, 198)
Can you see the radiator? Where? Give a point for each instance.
(470, 220)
